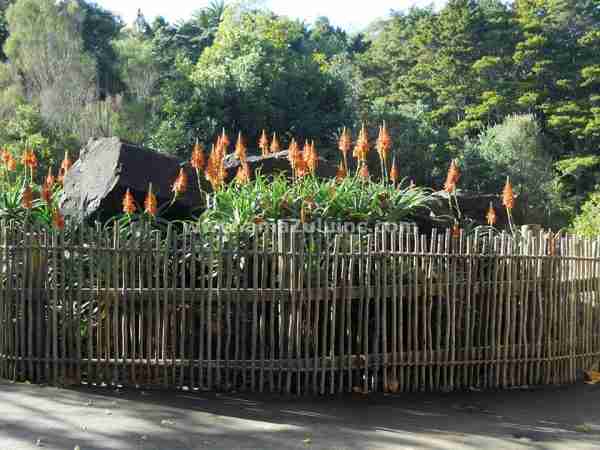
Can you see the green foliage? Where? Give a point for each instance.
(258, 74)
(577, 177)
(587, 224)
(140, 74)
(11, 93)
(515, 149)
(449, 61)
(418, 145)
(12, 187)
(45, 48)
(138, 69)
(3, 27)
(474, 62)
(236, 208)
(458, 82)
(176, 50)
(99, 28)
(28, 130)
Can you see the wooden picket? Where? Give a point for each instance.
(294, 309)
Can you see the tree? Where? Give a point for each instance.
(140, 73)
(587, 224)
(259, 73)
(137, 66)
(515, 149)
(176, 49)
(327, 39)
(99, 28)
(555, 60)
(3, 26)
(46, 50)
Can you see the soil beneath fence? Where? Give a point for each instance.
(550, 418)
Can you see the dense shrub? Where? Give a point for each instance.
(587, 223)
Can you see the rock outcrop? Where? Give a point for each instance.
(94, 187)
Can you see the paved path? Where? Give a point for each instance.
(562, 418)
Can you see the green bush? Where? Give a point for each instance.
(587, 223)
(515, 149)
(311, 199)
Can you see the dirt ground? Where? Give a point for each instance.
(34, 417)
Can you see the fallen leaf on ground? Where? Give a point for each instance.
(592, 377)
(583, 428)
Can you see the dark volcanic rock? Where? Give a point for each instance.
(95, 185)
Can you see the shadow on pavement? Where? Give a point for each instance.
(105, 418)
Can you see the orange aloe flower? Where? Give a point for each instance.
(364, 171)
(29, 159)
(243, 174)
(197, 160)
(301, 168)
(294, 153)
(225, 142)
(508, 196)
(215, 169)
(345, 142)
(361, 150)
(11, 163)
(58, 220)
(50, 179)
(491, 216)
(263, 143)
(66, 163)
(452, 177)
(311, 156)
(181, 182)
(150, 203)
(341, 173)
(6, 156)
(27, 198)
(384, 143)
(394, 173)
(209, 171)
(275, 145)
(240, 148)
(25, 157)
(128, 203)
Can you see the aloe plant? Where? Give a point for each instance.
(309, 198)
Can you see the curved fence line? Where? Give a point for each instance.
(287, 310)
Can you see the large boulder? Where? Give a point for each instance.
(94, 187)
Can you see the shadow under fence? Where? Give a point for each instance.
(282, 309)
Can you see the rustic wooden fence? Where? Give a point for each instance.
(301, 311)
